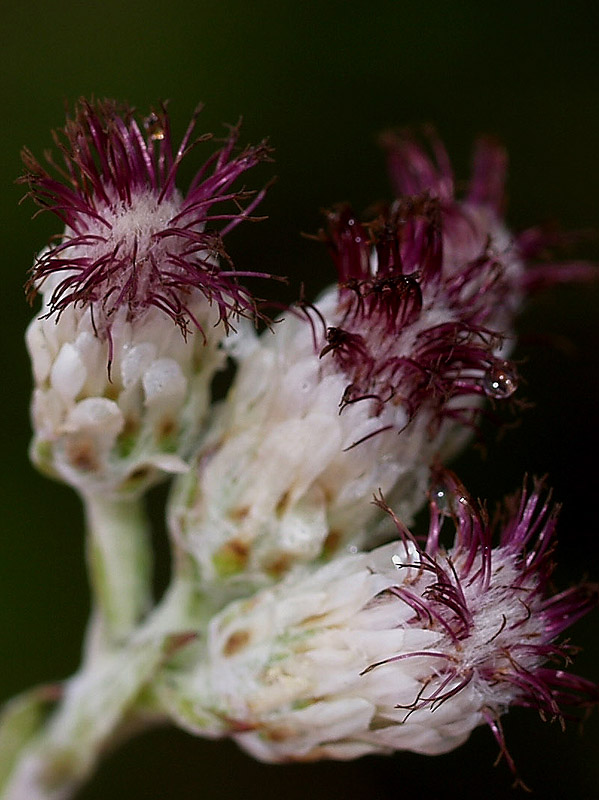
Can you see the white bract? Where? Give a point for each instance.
(118, 429)
(336, 662)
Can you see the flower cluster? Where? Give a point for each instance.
(302, 620)
(363, 389)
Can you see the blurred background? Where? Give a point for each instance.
(321, 80)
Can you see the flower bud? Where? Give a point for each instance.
(137, 296)
(408, 647)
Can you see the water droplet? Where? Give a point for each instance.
(443, 499)
(447, 502)
(352, 549)
(153, 126)
(397, 562)
(500, 381)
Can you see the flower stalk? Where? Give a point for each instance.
(57, 734)
(94, 705)
(119, 559)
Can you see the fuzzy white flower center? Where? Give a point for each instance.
(140, 221)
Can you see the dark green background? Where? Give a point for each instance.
(321, 79)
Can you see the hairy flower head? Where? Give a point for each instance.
(427, 289)
(409, 647)
(120, 395)
(361, 390)
(133, 241)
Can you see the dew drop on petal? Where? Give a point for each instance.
(500, 381)
(397, 562)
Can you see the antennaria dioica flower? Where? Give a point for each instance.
(362, 390)
(137, 295)
(407, 647)
(303, 620)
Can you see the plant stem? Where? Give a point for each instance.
(95, 701)
(98, 704)
(120, 564)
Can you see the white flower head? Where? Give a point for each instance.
(362, 390)
(409, 647)
(137, 294)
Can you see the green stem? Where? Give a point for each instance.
(95, 702)
(20, 721)
(98, 704)
(120, 566)
(49, 759)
